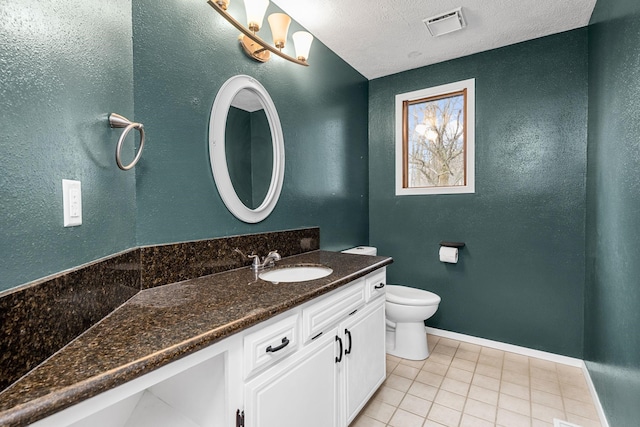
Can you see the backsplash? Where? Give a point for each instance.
(39, 318)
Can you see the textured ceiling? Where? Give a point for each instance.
(379, 38)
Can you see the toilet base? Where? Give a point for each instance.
(408, 341)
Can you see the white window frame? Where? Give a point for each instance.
(469, 85)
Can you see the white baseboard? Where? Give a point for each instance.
(525, 351)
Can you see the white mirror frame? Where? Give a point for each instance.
(217, 153)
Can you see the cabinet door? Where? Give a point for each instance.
(364, 358)
(298, 391)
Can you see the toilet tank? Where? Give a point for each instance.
(362, 250)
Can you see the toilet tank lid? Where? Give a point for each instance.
(410, 296)
(362, 250)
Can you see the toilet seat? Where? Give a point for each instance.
(410, 296)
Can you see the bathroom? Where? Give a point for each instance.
(549, 233)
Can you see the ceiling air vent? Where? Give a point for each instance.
(445, 23)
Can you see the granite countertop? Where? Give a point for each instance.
(162, 324)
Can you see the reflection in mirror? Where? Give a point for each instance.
(253, 152)
(249, 152)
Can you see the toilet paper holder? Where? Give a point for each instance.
(452, 244)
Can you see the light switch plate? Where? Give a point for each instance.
(72, 202)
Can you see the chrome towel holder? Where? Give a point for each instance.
(118, 121)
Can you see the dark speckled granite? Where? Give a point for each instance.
(162, 324)
(173, 263)
(39, 319)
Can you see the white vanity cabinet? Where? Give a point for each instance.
(340, 365)
(315, 365)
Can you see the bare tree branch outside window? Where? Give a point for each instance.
(435, 141)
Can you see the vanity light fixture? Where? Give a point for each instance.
(256, 47)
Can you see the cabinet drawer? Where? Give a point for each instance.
(375, 283)
(270, 344)
(323, 314)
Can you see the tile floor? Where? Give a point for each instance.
(467, 385)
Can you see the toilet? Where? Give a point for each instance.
(406, 310)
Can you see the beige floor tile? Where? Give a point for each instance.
(471, 421)
(459, 374)
(582, 421)
(448, 341)
(389, 395)
(450, 400)
(492, 352)
(539, 423)
(391, 358)
(445, 349)
(514, 357)
(432, 340)
(445, 416)
(489, 371)
(518, 367)
(467, 355)
(436, 368)
(547, 399)
(486, 359)
(544, 374)
(576, 393)
(430, 423)
(480, 410)
(514, 378)
(406, 371)
(406, 419)
(483, 395)
(486, 382)
(586, 410)
(415, 405)
(398, 383)
(506, 418)
(379, 410)
(364, 421)
(423, 391)
(444, 359)
(543, 364)
(455, 386)
(430, 378)
(391, 367)
(546, 413)
(474, 348)
(547, 386)
(413, 363)
(516, 390)
(514, 404)
(467, 365)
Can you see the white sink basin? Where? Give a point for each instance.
(296, 273)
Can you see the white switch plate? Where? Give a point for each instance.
(72, 202)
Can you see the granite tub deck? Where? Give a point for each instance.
(162, 324)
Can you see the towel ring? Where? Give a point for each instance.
(118, 121)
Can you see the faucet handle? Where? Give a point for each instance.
(256, 258)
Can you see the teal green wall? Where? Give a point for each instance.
(67, 64)
(520, 279)
(64, 67)
(612, 309)
(183, 53)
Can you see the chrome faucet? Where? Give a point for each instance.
(268, 261)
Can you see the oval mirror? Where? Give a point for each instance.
(246, 149)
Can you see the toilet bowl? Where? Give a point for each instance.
(406, 310)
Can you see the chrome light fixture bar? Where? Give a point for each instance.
(257, 48)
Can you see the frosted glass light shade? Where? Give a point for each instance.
(279, 23)
(302, 42)
(255, 13)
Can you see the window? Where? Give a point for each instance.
(435, 140)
